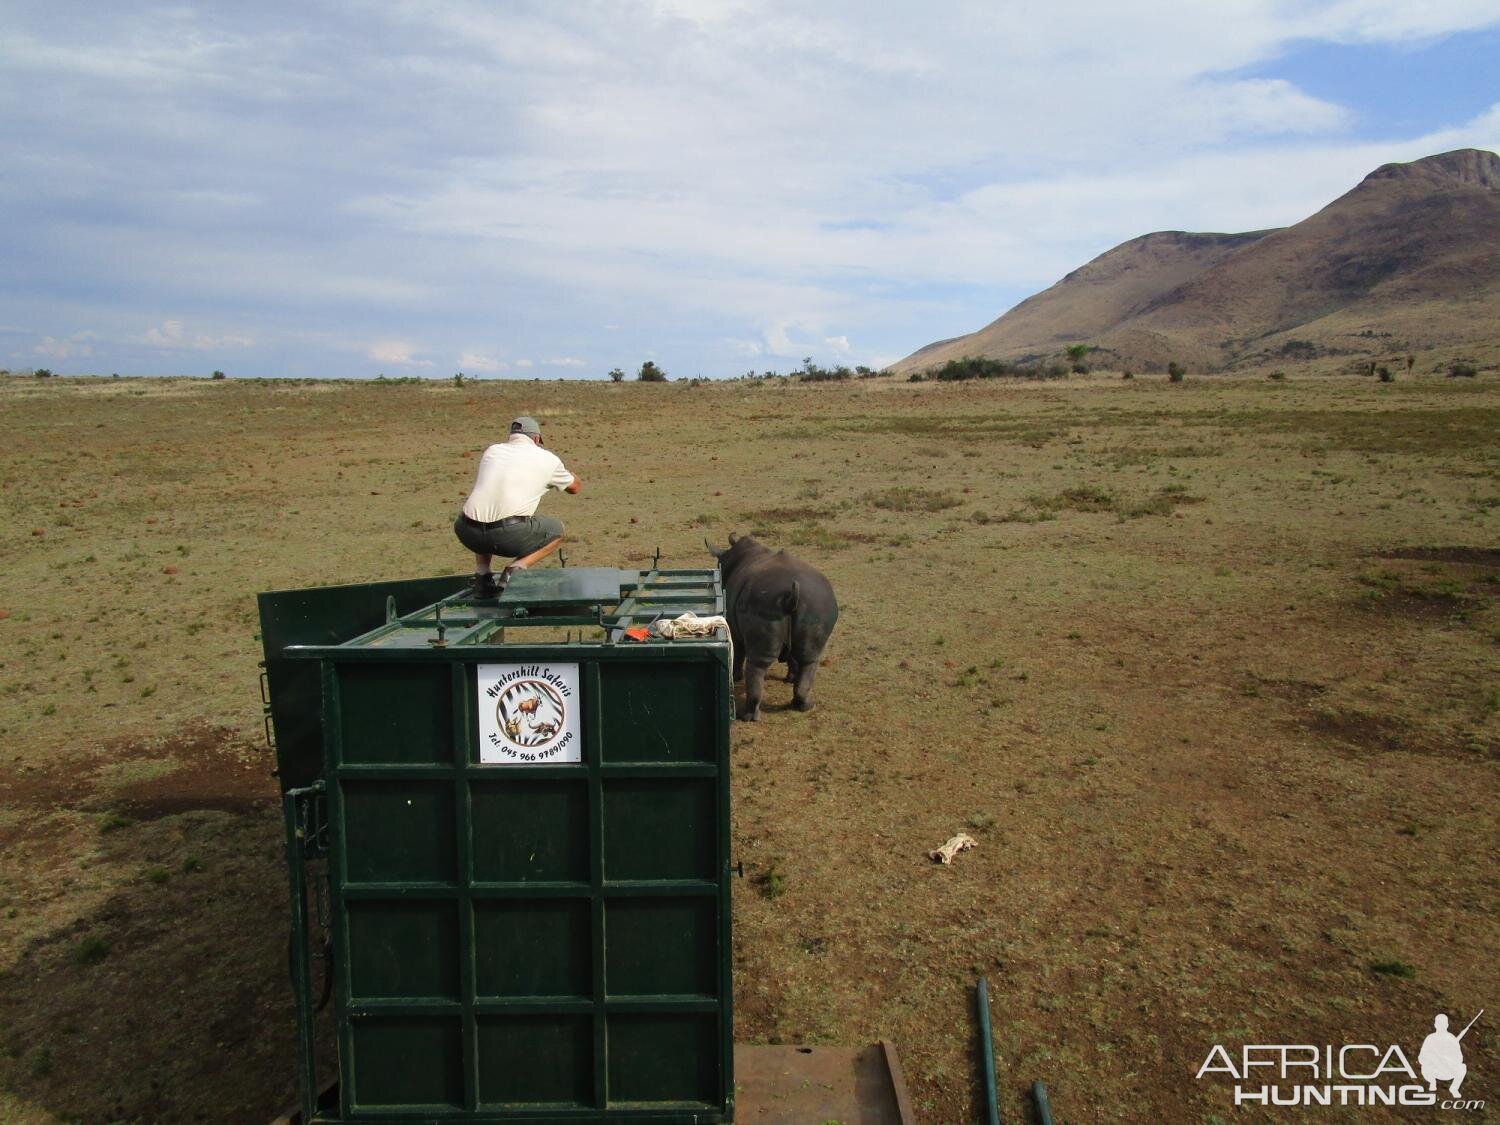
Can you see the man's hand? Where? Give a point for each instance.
(572, 489)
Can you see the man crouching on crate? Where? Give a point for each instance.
(499, 517)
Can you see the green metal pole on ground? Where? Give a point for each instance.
(991, 1104)
(1043, 1106)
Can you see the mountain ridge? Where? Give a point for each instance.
(1409, 254)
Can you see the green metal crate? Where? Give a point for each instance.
(517, 935)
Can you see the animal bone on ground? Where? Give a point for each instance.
(959, 843)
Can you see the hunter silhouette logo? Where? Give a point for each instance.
(1442, 1056)
(528, 713)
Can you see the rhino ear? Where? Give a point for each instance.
(716, 552)
(734, 537)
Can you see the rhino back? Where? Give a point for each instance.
(764, 586)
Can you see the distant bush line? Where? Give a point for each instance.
(977, 367)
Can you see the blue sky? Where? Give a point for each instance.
(531, 189)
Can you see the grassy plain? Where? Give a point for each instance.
(1210, 671)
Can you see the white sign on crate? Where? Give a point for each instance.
(528, 714)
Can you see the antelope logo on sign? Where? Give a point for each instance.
(528, 713)
(532, 712)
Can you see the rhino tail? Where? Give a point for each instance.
(792, 598)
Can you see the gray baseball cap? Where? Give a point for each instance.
(525, 425)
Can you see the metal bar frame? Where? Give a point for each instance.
(307, 1084)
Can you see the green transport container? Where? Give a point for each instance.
(515, 821)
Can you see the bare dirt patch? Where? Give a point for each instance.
(1461, 556)
(203, 768)
(1436, 606)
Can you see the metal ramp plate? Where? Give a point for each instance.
(795, 1085)
(850, 1085)
(566, 585)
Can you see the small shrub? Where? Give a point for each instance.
(1393, 968)
(1175, 372)
(650, 373)
(1458, 369)
(906, 499)
(190, 864)
(1162, 503)
(43, 373)
(41, 1063)
(1084, 498)
(616, 375)
(916, 377)
(156, 876)
(92, 948)
(968, 677)
(810, 372)
(217, 375)
(1278, 376)
(773, 881)
(1128, 375)
(1386, 376)
(113, 821)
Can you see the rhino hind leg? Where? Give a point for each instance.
(806, 649)
(755, 682)
(801, 693)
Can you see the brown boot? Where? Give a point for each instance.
(484, 588)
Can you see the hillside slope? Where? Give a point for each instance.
(1409, 258)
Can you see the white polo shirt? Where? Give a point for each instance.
(513, 477)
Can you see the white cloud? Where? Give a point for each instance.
(398, 352)
(565, 361)
(172, 335)
(524, 363)
(476, 361)
(839, 344)
(167, 335)
(73, 347)
(1393, 20)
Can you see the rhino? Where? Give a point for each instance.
(779, 608)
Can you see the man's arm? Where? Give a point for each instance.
(563, 479)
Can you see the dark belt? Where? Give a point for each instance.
(506, 522)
